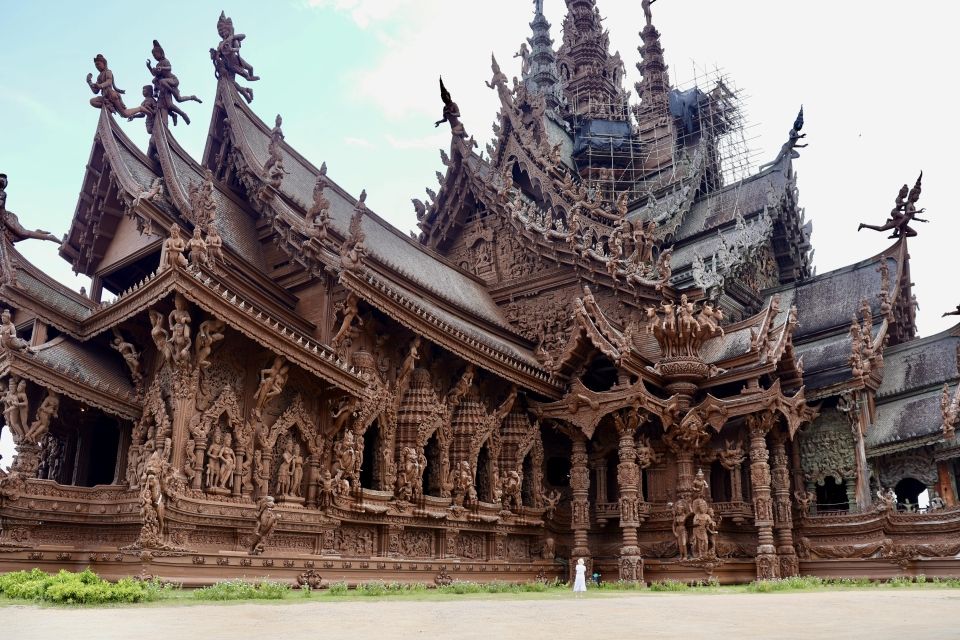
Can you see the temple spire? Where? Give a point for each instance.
(591, 76)
(541, 75)
(654, 88)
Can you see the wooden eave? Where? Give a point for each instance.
(110, 399)
(410, 314)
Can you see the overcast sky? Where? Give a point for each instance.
(356, 83)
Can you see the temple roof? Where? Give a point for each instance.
(908, 401)
(385, 244)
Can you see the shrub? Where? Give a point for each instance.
(65, 587)
(338, 589)
(242, 590)
(669, 585)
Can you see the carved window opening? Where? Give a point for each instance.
(644, 482)
(484, 484)
(558, 472)
(909, 490)
(522, 180)
(101, 464)
(832, 495)
(431, 475)
(720, 489)
(370, 469)
(601, 374)
(122, 278)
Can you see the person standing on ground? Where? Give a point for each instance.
(580, 583)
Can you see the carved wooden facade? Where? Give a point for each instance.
(556, 368)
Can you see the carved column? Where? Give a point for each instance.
(858, 488)
(736, 483)
(184, 400)
(580, 504)
(199, 453)
(313, 481)
(600, 474)
(628, 480)
(238, 474)
(767, 564)
(684, 471)
(946, 487)
(783, 528)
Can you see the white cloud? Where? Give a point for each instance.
(363, 143)
(365, 12)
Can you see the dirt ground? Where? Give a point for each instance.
(870, 614)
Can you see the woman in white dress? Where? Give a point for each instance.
(580, 582)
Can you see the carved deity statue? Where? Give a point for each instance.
(214, 244)
(680, 513)
(16, 407)
(345, 457)
(512, 486)
(228, 463)
(272, 381)
(48, 410)
(167, 85)
(198, 249)
(179, 322)
(8, 334)
(451, 113)
(107, 94)
(266, 521)
(350, 311)
(159, 335)
(700, 486)
(524, 55)
(214, 460)
(227, 60)
(903, 213)
(173, 249)
(209, 333)
(130, 355)
(704, 530)
(14, 231)
(285, 470)
(328, 489)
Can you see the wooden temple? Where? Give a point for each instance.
(598, 346)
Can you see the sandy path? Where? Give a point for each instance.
(875, 615)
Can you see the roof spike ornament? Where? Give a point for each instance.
(903, 213)
(227, 61)
(539, 69)
(789, 148)
(591, 76)
(273, 170)
(654, 87)
(106, 94)
(166, 86)
(353, 250)
(451, 113)
(10, 225)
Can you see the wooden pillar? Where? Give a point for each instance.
(123, 446)
(628, 481)
(783, 527)
(945, 485)
(767, 563)
(238, 473)
(600, 475)
(313, 482)
(199, 453)
(580, 512)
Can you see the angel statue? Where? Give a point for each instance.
(451, 113)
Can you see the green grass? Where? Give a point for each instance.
(87, 588)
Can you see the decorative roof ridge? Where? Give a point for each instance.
(23, 263)
(335, 187)
(110, 398)
(856, 266)
(950, 332)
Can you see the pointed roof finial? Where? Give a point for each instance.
(540, 72)
(654, 87)
(451, 113)
(226, 57)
